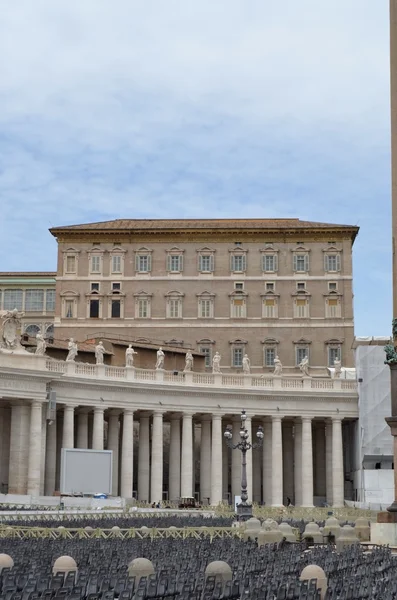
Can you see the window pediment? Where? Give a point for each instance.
(238, 341)
(333, 342)
(332, 250)
(270, 341)
(117, 250)
(269, 250)
(302, 342)
(206, 250)
(95, 250)
(174, 294)
(175, 250)
(70, 293)
(300, 249)
(238, 250)
(206, 294)
(238, 294)
(142, 294)
(205, 341)
(71, 250)
(143, 250)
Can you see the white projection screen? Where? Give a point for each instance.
(86, 471)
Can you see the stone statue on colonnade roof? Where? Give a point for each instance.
(188, 362)
(216, 363)
(278, 367)
(129, 356)
(160, 359)
(72, 347)
(10, 330)
(99, 352)
(41, 345)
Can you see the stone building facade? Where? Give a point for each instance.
(32, 293)
(258, 286)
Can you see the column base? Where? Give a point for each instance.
(277, 506)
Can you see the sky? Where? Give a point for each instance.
(194, 108)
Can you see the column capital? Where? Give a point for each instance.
(128, 412)
(188, 415)
(69, 407)
(306, 419)
(36, 404)
(276, 418)
(217, 417)
(158, 413)
(99, 409)
(337, 418)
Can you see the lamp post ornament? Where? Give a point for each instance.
(244, 509)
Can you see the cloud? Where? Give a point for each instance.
(196, 109)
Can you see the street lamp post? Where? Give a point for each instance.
(244, 509)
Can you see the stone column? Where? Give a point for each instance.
(68, 427)
(225, 467)
(19, 449)
(307, 462)
(174, 464)
(113, 445)
(256, 477)
(127, 454)
(34, 459)
(205, 460)
(267, 462)
(51, 459)
(156, 481)
(216, 460)
(328, 461)
(248, 426)
(236, 460)
(319, 461)
(43, 449)
(5, 444)
(288, 461)
(82, 428)
(338, 479)
(97, 430)
(144, 459)
(187, 456)
(298, 463)
(277, 462)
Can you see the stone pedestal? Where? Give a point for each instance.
(384, 531)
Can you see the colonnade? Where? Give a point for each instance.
(301, 458)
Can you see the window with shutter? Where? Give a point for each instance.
(116, 264)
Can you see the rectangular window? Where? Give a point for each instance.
(333, 355)
(332, 286)
(333, 308)
(301, 263)
(174, 308)
(69, 309)
(95, 264)
(332, 263)
(50, 300)
(116, 309)
(238, 308)
(207, 353)
(270, 287)
(143, 308)
(13, 299)
(175, 263)
(34, 300)
(143, 263)
(237, 357)
(270, 355)
(206, 263)
(116, 264)
(269, 308)
(94, 309)
(238, 263)
(301, 309)
(301, 353)
(301, 286)
(239, 286)
(269, 263)
(116, 286)
(94, 287)
(205, 308)
(70, 264)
